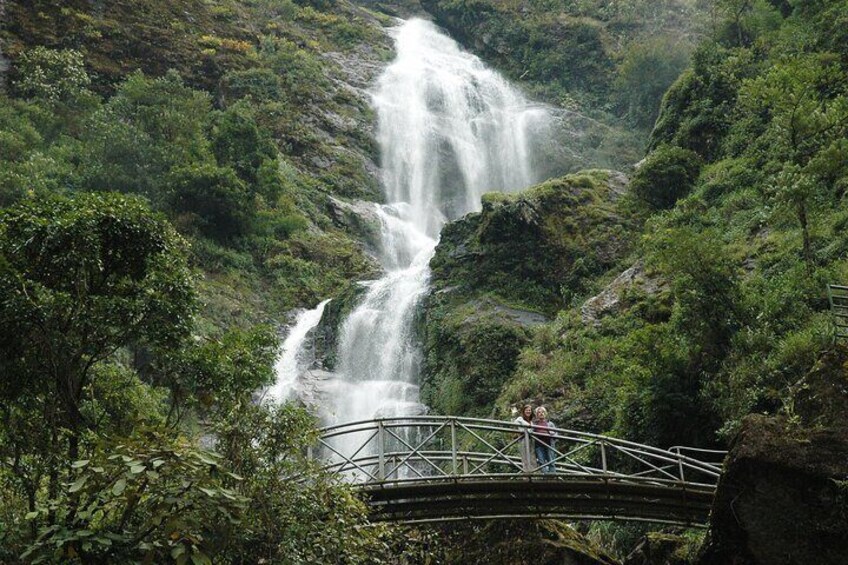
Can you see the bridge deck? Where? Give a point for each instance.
(535, 497)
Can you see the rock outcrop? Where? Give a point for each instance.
(783, 498)
(500, 273)
(611, 300)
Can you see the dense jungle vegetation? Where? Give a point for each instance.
(733, 226)
(177, 175)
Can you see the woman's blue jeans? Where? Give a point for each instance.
(544, 455)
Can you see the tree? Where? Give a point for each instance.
(52, 75)
(214, 199)
(645, 73)
(806, 99)
(80, 279)
(238, 142)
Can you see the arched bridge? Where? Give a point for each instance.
(441, 468)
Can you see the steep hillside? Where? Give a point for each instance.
(171, 175)
(718, 309)
(259, 105)
(722, 305)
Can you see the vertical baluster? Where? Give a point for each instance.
(680, 466)
(381, 452)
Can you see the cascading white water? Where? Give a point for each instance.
(292, 361)
(449, 130)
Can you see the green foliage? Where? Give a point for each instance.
(156, 134)
(646, 71)
(299, 70)
(212, 199)
(149, 498)
(728, 314)
(697, 110)
(238, 142)
(100, 385)
(52, 75)
(666, 175)
(313, 521)
(258, 84)
(216, 372)
(82, 277)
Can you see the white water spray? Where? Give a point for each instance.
(293, 359)
(449, 130)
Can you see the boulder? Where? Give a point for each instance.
(783, 497)
(358, 218)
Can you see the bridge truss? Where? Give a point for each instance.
(441, 468)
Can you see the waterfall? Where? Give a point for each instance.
(449, 130)
(293, 356)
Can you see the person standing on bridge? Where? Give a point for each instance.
(543, 437)
(526, 419)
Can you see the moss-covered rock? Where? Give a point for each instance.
(327, 333)
(536, 248)
(471, 351)
(499, 273)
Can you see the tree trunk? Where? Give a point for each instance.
(805, 232)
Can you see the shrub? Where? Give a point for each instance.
(216, 198)
(668, 174)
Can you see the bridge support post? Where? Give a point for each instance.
(381, 452)
(604, 457)
(454, 462)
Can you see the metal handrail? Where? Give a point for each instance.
(477, 457)
(652, 459)
(418, 469)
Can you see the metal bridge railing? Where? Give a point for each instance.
(837, 295)
(432, 448)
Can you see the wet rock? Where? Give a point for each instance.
(311, 389)
(327, 333)
(358, 218)
(524, 318)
